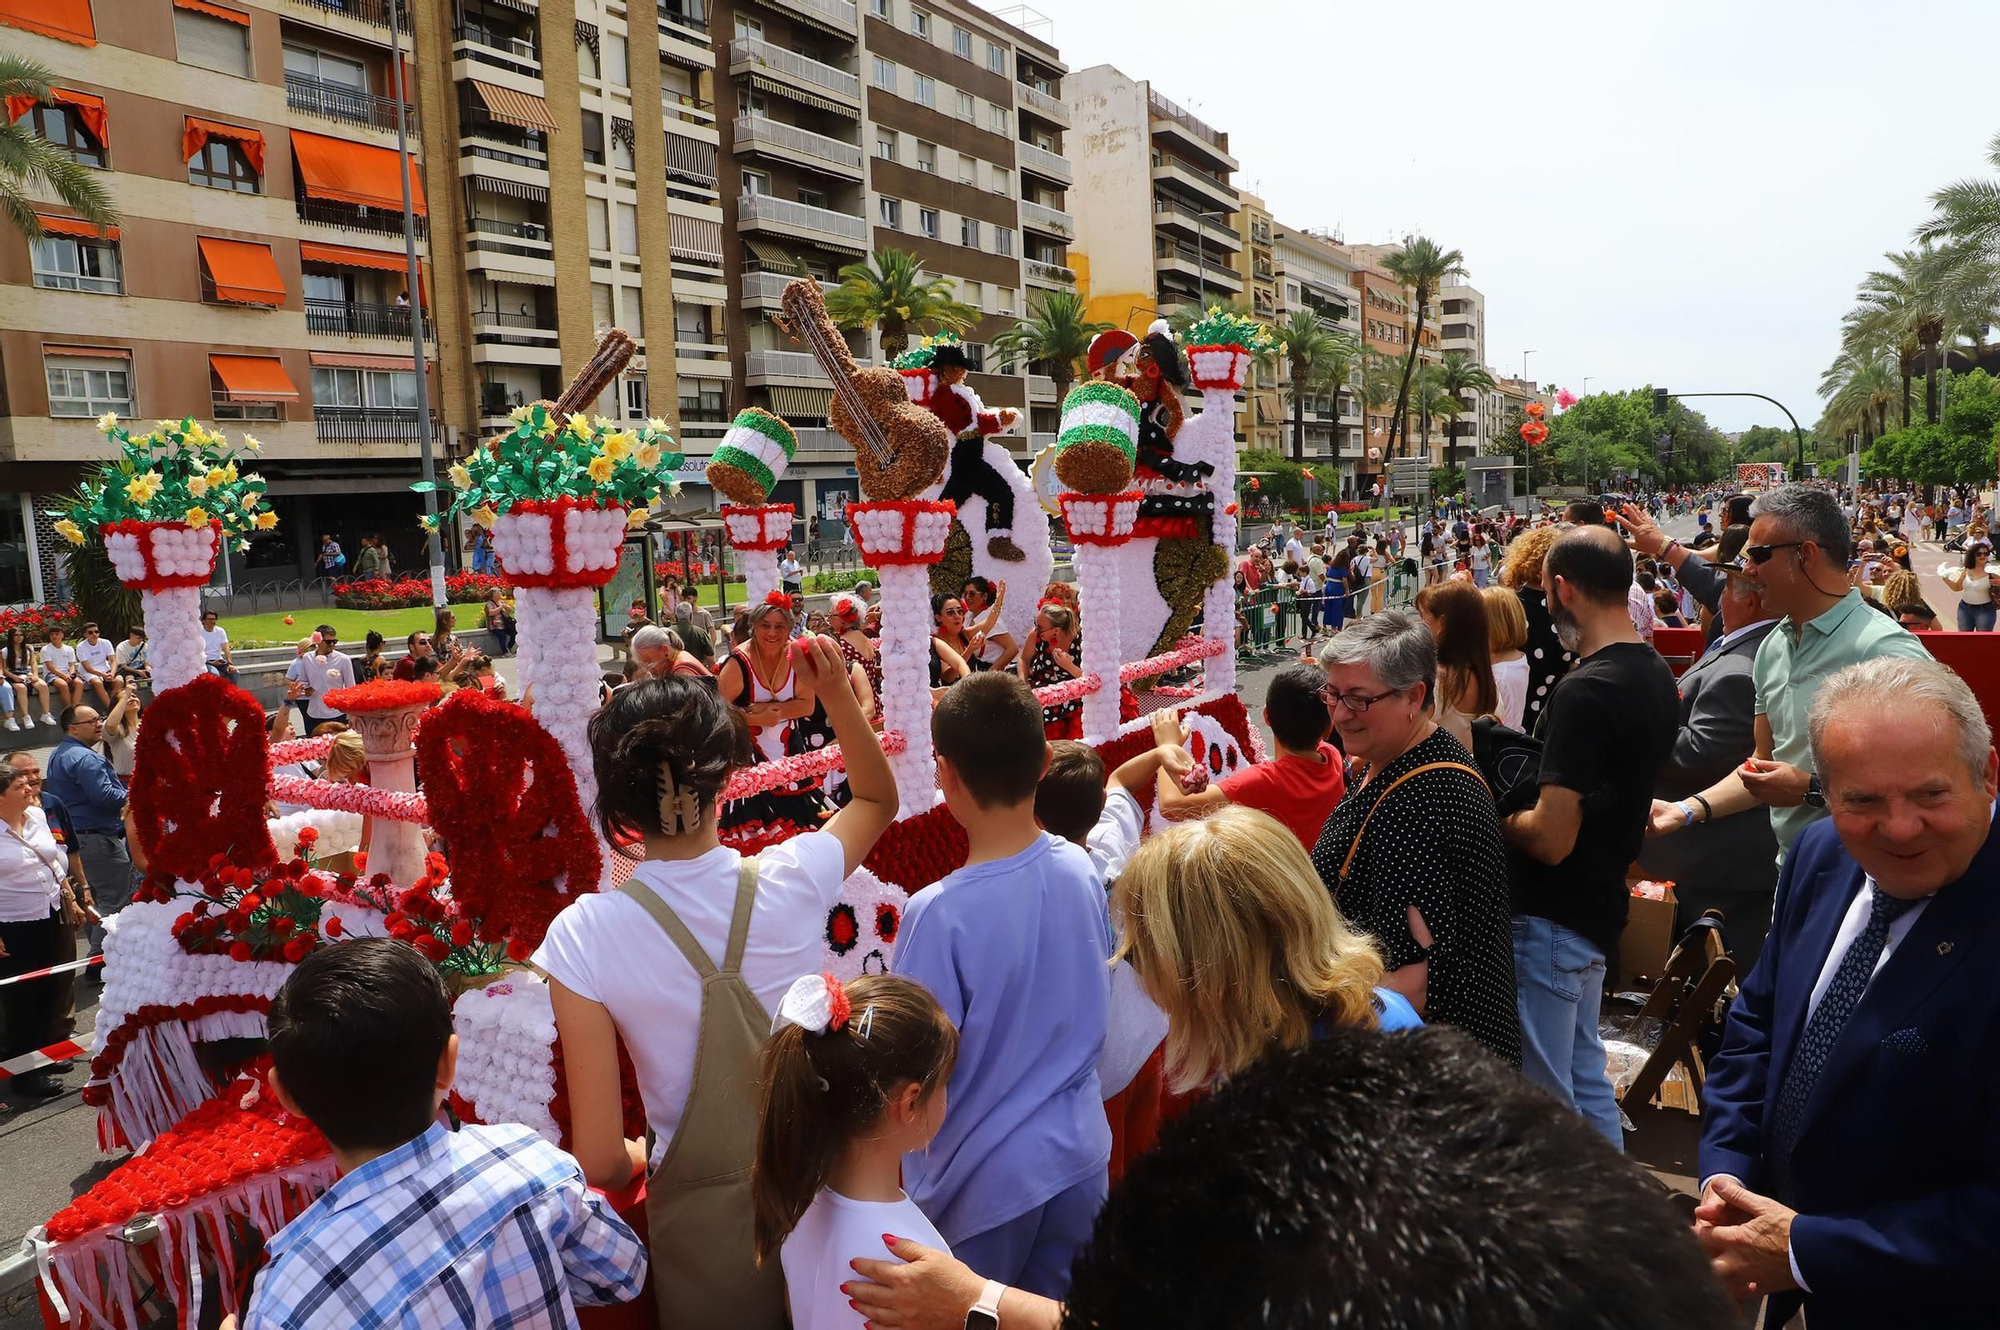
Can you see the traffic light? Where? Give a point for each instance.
(1660, 397)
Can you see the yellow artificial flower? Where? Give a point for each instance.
(218, 476)
(197, 486)
(142, 487)
(485, 516)
(228, 474)
(520, 414)
(648, 456)
(601, 468)
(70, 531)
(578, 426)
(656, 425)
(250, 499)
(617, 446)
(599, 422)
(252, 444)
(197, 516)
(242, 547)
(266, 520)
(107, 422)
(460, 477)
(428, 522)
(637, 517)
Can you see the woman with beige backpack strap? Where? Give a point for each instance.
(1412, 853)
(686, 962)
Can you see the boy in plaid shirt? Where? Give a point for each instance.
(485, 1226)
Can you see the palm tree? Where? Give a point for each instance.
(1914, 297)
(1055, 334)
(1422, 265)
(1381, 377)
(891, 289)
(28, 160)
(1458, 374)
(1968, 212)
(1315, 356)
(1858, 390)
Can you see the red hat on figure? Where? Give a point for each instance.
(1106, 348)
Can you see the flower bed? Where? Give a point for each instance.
(380, 593)
(36, 620)
(678, 571)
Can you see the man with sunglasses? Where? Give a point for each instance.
(1797, 553)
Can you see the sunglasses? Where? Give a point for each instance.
(1761, 554)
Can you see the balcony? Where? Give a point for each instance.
(687, 108)
(801, 365)
(675, 12)
(344, 318)
(1207, 272)
(1052, 166)
(842, 230)
(836, 15)
(816, 444)
(1041, 217)
(1041, 388)
(1050, 274)
(371, 424)
(1043, 104)
(331, 101)
(502, 50)
(1210, 225)
(513, 329)
(368, 11)
(761, 134)
(1037, 442)
(1206, 141)
(748, 53)
(348, 217)
(497, 141)
(768, 288)
(1209, 188)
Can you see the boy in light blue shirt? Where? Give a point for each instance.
(1014, 946)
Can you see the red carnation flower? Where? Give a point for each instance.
(433, 947)
(333, 926)
(519, 949)
(281, 925)
(239, 951)
(298, 948)
(461, 934)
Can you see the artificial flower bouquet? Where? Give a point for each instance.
(1221, 346)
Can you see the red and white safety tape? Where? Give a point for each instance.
(53, 969)
(45, 1057)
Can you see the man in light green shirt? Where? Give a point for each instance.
(1797, 553)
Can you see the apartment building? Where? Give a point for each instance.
(1260, 420)
(1314, 273)
(1155, 207)
(257, 277)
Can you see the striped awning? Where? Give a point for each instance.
(493, 184)
(523, 110)
(694, 238)
(253, 378)
(516, 278)
(814, 100)
(91, 352)
(74, 226)
(691, 160)
(771, 258)
(524, 6)
(342, 360)
(1268, 412)
(802, 403)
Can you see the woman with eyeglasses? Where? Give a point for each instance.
(1412, 853)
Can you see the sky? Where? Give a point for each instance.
(1683, 195)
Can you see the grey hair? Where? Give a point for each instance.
(1808, 513)
(1395, 643)
(1893, 680)
(9, 773)
(651, 636)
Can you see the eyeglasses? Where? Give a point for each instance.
(1356, 703)
(1761, 554)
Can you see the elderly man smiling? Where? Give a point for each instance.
(1851, 1154)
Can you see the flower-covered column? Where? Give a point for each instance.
(746, 467)
(385, 715)
(757, 534)
(901, 539)
(1098, 525)
(168, 563)
(1218, 365)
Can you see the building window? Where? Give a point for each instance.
(812, 198)
(996, 58)
(961, 42)
(927, 156)
(593, 137)
(1003, 240)
(968, 232)
(926, 89)
(968, 171)
(703, 401)
(381, 388)
(621, 154)
(635, 397)
(212, 43)
(1001, 183)
(615, 56)
(597, 214)
(1003, 299)
(927, 223)
(72, 263)
(749, 25)
(999, 120)
(892, 212)
(628, 230)
(920, 23)
(885, 147)
(885, 74)
(220, 164)
(966, 107)
(879, 8)
(64, 128)
(973, 293)
(756, 183)
(87, 386)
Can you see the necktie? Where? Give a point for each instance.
(1809, 1059)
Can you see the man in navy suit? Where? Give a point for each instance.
(1850, 1160)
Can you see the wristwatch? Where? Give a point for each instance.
(985, 1313)
(1815, 796)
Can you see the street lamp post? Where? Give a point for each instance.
(413, 278)
(1661, 397)
(1524, 365)
(1586, 439)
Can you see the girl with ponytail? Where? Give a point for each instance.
(685, 963)
(853, 1078)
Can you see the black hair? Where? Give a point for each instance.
(327, 633)
(1429, 1186)
(424, 668)
(1736, 510)
(373, 641)
(982, 586)
(1294, 709)
(355, 1035)
(938, 603)
(1167, 355)
(1584, 512)
(67, 717)
(1594, 561)
(678, 726)
(989, 727)
(1069, 798)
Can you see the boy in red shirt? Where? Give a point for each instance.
(1299, 785)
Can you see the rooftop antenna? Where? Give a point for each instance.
(1029, 20)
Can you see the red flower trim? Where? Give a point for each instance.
(561, 576)
(384, 695)
(107, 1059)
(1167, 528)
(205, 762)
(910, 510)
(760, 512)
(153, 581)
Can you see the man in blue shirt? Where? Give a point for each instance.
(82, 778)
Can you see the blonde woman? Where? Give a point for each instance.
(1547, 660)
(347, 764)
(1233, 935)
(1507, 639)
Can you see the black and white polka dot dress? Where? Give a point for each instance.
(1547, 661)
(1435, 844)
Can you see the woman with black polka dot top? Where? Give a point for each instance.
(1548, 661)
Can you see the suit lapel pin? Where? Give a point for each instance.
(1944, 948)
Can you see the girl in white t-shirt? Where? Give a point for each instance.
(854, 1078)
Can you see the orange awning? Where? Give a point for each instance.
(243, 271)
(89, 108)
(98, 352)
(196, 132)
(64, 20)
(523, 110)
(344, 360)
(346, 256)
(253, 378)
(357, 173)
(71, 226)
(214, 11)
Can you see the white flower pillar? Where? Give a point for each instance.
(168, 563)
(900, 539)
(1099, 524)
(757, 534)
(1219, 372)
(557, 553)
(389, 735)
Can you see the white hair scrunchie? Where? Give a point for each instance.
(814, 1002)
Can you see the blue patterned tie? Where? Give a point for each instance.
(1809, 1059)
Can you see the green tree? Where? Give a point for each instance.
(1318, 359)
(29, 163)
(1918, 296)
(1459, 374)
(891, 290)
(1055, 334)
(1968, 212)
(1422, 265)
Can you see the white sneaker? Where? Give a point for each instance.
(13, 724)
(47, 719)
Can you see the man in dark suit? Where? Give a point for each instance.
(1732, 864)
(1850, 1158)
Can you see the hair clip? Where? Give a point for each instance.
(864, 1026)
(680, 810)
(814, 1002)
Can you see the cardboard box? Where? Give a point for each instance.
(1648, 939)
